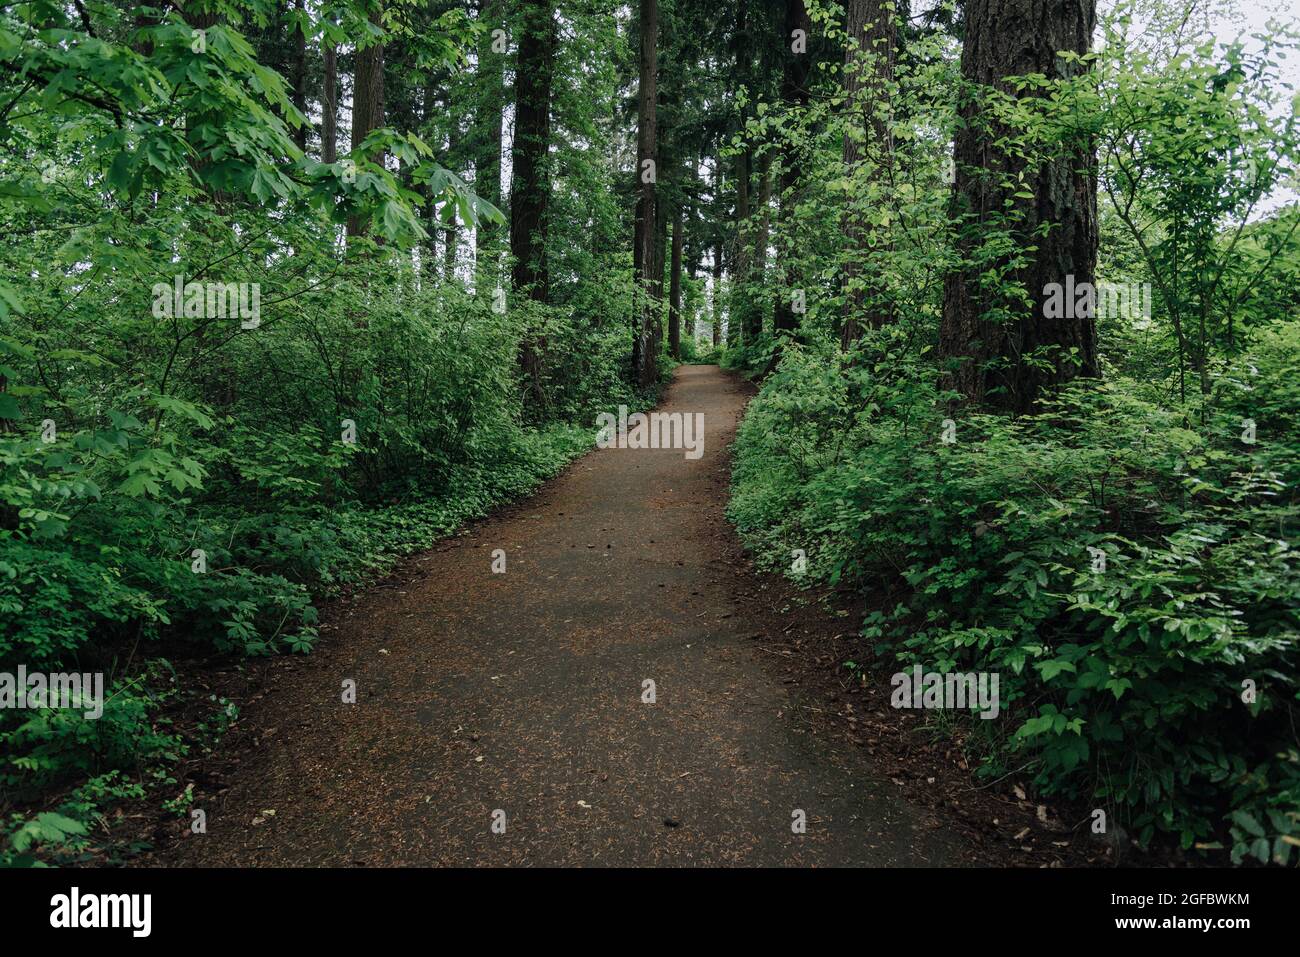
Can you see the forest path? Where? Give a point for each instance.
(522, 692)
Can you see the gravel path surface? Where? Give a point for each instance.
(523, 692)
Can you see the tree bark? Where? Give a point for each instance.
(368, 92)
(675, 288)
(452, 239)
(487, 125)
(740, 258)
(694, 260)
(1010, 364)
(644, 354)
(716, 305)
(367, 105)
(451, 234)
(762, 233)
(530, 186)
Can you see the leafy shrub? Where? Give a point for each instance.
(1126, 684)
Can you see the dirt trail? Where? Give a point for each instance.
(523, 692)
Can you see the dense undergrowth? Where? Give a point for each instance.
(1124, 686)
(197, 481)
(1125, 558)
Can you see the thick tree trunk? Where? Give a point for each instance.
(530, 186)
(367, 104)
(487, 125)
(868, 69)
(738, 260)
(715, 306)
(429, 250)
(762, 233)
(657, 298)
(694, 259)
(1009, 364)
(740, 254)
(644, 347)
(661, 257)
(675, 288)
(451, 234)
(367, 93)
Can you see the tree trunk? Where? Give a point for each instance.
(530, 186)
(694, 259)
(644, 354)
(367, 105)
(1009, 364)
(740, 258)
(487, 125)
(738, 262)
(661, 259)
(716, 305)
(762, 233)
(719, 216)
(868, 70)
(675, 288)
(451, 234)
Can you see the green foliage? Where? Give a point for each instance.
(63, 835)
(200, 478)
(1126, 683)
(1193, 141)
(1161, 685)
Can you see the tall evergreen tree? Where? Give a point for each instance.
(530, 185)
(645, 256)
(367, 101)
(1009, 362)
